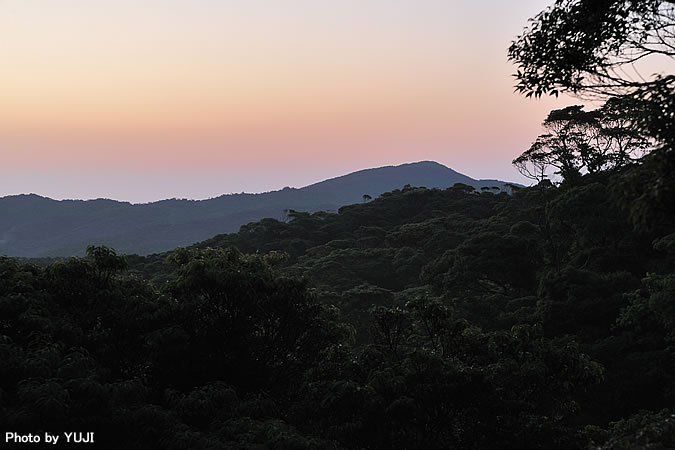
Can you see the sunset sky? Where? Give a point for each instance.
(144, 100)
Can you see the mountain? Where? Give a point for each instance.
(35, 226)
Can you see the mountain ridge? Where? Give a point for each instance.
(35, 226)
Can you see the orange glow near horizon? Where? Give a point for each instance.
(295, 91)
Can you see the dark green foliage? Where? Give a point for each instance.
(245, 324)
(598, 48)
(643, 431)
(425, 318)
(87, 347)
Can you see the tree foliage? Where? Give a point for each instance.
(539, 319)
(601, 49)
(579, 142)
(590, 46)
(424, 318)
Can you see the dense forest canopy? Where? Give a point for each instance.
(424, 318)
(603, 49)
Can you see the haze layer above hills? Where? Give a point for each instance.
(35, 226)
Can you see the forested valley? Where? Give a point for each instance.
(422, 319)
(543, 318)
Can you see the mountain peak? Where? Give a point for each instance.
(64, 228)
(351, 187)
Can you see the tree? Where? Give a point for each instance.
(579, 142)
(105, 262)
(247, 323)
(568, 137)
(597, 48)
(594, 47)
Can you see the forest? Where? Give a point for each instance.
(424, 318)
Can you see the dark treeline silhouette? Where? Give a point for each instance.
(424, 318)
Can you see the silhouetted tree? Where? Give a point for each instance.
(579, 142)
(591, 47)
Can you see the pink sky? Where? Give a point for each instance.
(147, 100)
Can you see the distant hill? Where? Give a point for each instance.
(35, 226)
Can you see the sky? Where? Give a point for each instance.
(146, 100)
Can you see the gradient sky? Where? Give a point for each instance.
(144, 100)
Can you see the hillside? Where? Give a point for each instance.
(426, 318)
(34, 226)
